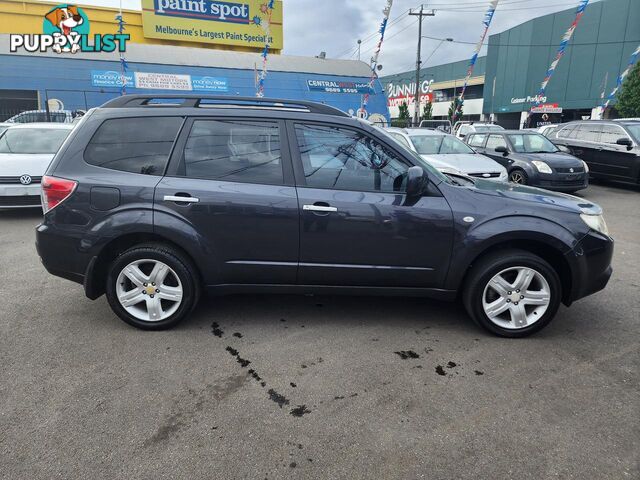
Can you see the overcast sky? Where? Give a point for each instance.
(334, 26)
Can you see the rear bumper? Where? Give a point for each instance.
(61, 255)
(591, 261)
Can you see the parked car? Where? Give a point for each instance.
(25, 153)
(462, 129)
(531, 159)
(40, 116)
(610, 148)
(448, 154)
(154, 203)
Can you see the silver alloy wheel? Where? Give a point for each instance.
(149, 290)
(517, 177)
(516, 297)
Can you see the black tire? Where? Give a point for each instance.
(183, 269)
(487, 267)
(521, 174)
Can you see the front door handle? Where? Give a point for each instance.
(181, 199)
(319, 208)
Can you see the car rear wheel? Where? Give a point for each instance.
(152, 287)
(512, 294)
(518, 176)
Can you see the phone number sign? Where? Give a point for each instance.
(330, 86)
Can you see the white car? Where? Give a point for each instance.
(25, 153)
(448, 154)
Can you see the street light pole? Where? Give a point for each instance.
(359, 43)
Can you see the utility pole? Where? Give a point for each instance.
(420, 14)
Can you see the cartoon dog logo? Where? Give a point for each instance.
(65, 18)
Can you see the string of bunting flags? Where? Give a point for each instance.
(622, 76)
(374, 60)
(561, 49)
(265, 23)
(123, 62)
(488, 16)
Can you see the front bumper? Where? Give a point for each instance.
(591, 265)
(561, 182)
(20, 196)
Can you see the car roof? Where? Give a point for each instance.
(51, 125)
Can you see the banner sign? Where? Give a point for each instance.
(159, 81)
(109, 79)
(213, 22)
(162, 81)
(330, 86)
(547, 108)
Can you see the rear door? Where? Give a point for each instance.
(356, 228)
(616, 161)
(230, 185)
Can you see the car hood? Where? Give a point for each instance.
(464, 162)
(533, 196)
(556, 159)
(17, 164)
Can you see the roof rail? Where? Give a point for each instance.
(133, 101)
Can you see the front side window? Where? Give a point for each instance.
(234, 151)
(439, 144)
(345, 159)
(495, 141)
(135, 145)
(635, 131)
(612, 133)
(32, 140)
(477, 140)
(531, 143)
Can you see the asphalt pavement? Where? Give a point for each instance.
(255, 387)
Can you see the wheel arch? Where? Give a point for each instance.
(96, 275)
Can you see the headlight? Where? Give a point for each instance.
(586, 167)
(595, 222)
(542, 167)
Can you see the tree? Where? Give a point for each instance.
(629, 95)
(455, 110)
(403, 113)
(428, 112)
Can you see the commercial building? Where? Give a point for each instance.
(171, 51)
(517, 60)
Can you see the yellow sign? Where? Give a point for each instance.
(237, 22)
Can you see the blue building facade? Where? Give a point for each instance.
(83, 81)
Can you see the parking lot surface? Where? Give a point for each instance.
(255, 387)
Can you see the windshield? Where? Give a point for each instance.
(439, 145)
(531, 143)
(634, 128)
(431, 170)
(32, 140)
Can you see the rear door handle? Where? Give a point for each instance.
(178, 198)
(319, 208)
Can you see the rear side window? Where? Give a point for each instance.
(565, 132)
(234, 151)
(588, 132)
(476, 140)
(136, 145)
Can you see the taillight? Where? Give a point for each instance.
(55, 191)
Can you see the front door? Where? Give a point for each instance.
(356, 228)
(494, 141)
(230, 183)
(616, 162)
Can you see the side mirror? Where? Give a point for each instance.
(503, 150)
(626, 141)
(416, 182)
(563, 148)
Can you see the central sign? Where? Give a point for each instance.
(240, 23)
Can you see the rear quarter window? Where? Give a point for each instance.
(135, 145)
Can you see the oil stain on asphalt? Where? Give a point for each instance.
(406, 354)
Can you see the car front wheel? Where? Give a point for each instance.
(512, 294)
(152, 287)
(518, 176)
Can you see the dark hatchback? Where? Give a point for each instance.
(531, 159)
(153, 201)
